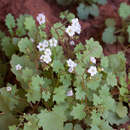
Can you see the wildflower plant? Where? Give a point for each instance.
(57, 90)
(114, 34)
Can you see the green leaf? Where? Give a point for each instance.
(121, 110)
(25, 45)
(79, 47)
(77, 127)
(94, 11)
(83, 11)
(66, 80)
(51, 120)
(57, 66)
(79, 70)
(13, 127)
(8, 47)
(94, 49)
(124, 10)
(67, 15)
(104, 62)
(59, 94)
(94, 83)
(34, 91)
(27, 74)
(97, 100)
(24, 61)
(95, 117)
(78, 111)
(80, 94)
(108, 35)
(112, 118)
(117, 62)
(57, 30)
(68, 126)
(29, 23)
(10, 22)
(121, 39)
(20, 26)
(111, 79)
(6, 120)
(128, 30)
(32, 123)
(110, 22)
(46, 95)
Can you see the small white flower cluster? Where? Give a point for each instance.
(53, 42)
(92, 70)
(46, 57)
(93, 60)
(44, 46)
(8, 88)
(69, 93)
(74, 28)
(71, 65)
(41, 18)
(18, 67)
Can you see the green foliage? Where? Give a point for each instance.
(121, 110)
(111, 79)
(111, 33)
(110, 22)
(57, 30)
(108, 35)
(10, 22)
(20, 24)
(67, 15)
(78, 111)
(8, 47)
(51, 120)
(25, 45)
(124, 10)
(49, 96)
(84, 11)
(59, 94)
(128, 30)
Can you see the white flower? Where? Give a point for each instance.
(92, 70)
(93, 60)
(18, 67)
(32, 40)
(71, 63)
(47, 51)
(45, 58)
(42, 45)
(70, 31)
(8, 88)
(76, 26)
(53, 42)
(72, 43)
(41, 18)
(102, 69)
(75, 21)
(70, 69)
(70, 93)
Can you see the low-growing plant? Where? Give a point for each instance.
(57, 90)
(112, 33)
(85, 7)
